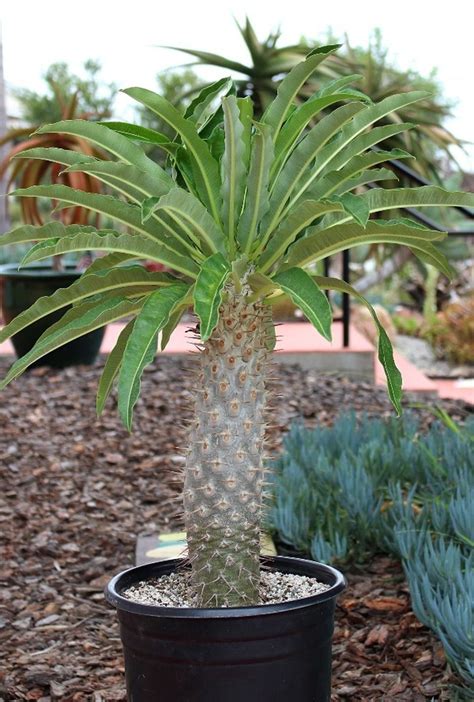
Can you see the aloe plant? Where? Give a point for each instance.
(241, 218)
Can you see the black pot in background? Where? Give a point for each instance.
(20, 289)
(267, 653)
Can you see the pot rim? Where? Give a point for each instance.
(279, 563)
(37, 270)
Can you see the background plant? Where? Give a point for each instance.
(67, 96)
(377, 77)
(247, 211)
(359, 488)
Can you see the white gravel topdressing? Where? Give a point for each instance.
(173, 590)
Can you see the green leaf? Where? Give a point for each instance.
(333, 180)
(299, 218)
(291, 85)
(233, 167)
(354, 147)
(321, 243)
(112, 367)
(372, 175)
(307, 295)
(382, 199)
(361, 122)
(192, 216)
(135, 246)
(298, 121)
(296, 175)
(245, 106)
(75, 323)
(427, 196)
(129, 180)
(205, 167)
(108, 261)
(135, 131)
(117, 279)
(141, 345)
(257, 198)
(51, 230)
(201, 109)
(208, 292)
(112, 141)
(123, 212)
(385, 350)
(355, 206)
(66, 157)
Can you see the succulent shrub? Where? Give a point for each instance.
(368, 486)
(244, 212)
(451, 331)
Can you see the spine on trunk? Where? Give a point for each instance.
(224, 466)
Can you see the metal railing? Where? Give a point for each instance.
(413, 176)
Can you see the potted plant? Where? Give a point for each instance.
(28, 163)
(249, 209)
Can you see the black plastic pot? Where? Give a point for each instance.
(20, 289)
(267, 653)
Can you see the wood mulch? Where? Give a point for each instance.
(76, 490)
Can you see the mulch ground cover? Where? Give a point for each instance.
(76, 490)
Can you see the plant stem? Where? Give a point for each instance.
(224, 467)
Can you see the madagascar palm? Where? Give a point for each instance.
(249, 209)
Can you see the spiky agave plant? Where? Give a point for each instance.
(246, 211)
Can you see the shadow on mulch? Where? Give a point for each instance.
(76, 490)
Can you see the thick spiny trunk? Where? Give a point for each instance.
(224, 467)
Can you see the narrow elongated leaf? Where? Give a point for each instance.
(326, 242)
(361, 122)
(427, 196)
(75, 323)
(193, 217)
(134, 181)
(66, 157)
(257, 198)
(51, 230)
(299, 120)
(353, 147)
(291, 85)
(372, 175)
(112, 141)
(382, 199)
(334, 180)
(138, 247)
(296, 174)
(171, 324)
(116, 279)
(307, 295)
(141, 346)
(204, 166)
(385, 350)
(299, 218)
(136, 131)
(208, 292)
(214, 59)
(245, 106)
(201, 109)
(123, 212)
(233, 166)
(112, 367)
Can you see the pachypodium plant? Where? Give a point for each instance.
(241, 217)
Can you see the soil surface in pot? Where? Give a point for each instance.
(174, 590)
(76, 490)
